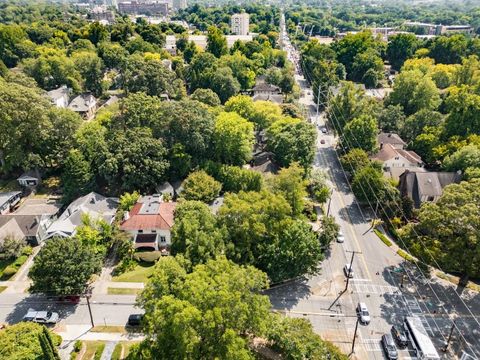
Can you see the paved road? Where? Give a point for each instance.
(378, 272)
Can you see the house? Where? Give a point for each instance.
(30, 228)
(8, 200)
(94, 205)
(9, 228)
(29, 179)
(166, 189)
(425, 186)
(267, 92)
(60, 96)
(150, 222)
(85, 105)
(392, 139)
(396, 160)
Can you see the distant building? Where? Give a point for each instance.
(201, 41)
(425, 186)
(150, 222)
(144, 7)
(60, 97)
(179, 4)
(433, 29)
(30, 179)
(102, 13)
(85, 105)
(240, 24)
(267, 92)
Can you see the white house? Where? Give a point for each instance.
(85, 105)
(60, 96)
(396, 161)
(29, 179)
(150, 222)
(94, 205)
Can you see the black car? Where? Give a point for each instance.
(135, 319)
(400, 337)
(389, 347)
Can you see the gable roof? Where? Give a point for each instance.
(27, 224)
(29, 175)
(388, 151)
(390, 138)
(7, 196)
(59, 92)
(275, 98)
(263, 86)
(82, 103)
(9, 227)
(150, 213)
(94, 205)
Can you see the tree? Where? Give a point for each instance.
(464, 112)
(447, 231)
(63, 266)
(449, 49)
(77, 176)
(200, 186)
(464, 158)
(242, 69)
(243, 105)
(361, 133)
(295, 252)
(414, 91)
(236, 179)
(391, 118)
(204, 314)
(216, 42)
(90, 67)
(329, 230)
(265, 113)
(10, 38)
(291, 184)
(367, 68)
(27, 340)
(11, 247)
(195, 233)
(400, 48)
(295, 338)
(317, 184)
(356, 159)
(128, 200)
(233, 139)
(224, 83)
(206, 96)
(414, 124)
(292, 140)
(113, 55)
(134, 160)
(202, 67)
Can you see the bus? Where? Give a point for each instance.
(424, 348)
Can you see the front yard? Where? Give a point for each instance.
(9, 267)
(140, 273)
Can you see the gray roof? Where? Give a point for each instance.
(94, 205)
(275, 98)
(390, 138)
(29, 175)
(59, 92)
(9, 227)
(6, 196)
(267, 167)
(82, 103)
(263, 86)
(28, 224)
(164, 188)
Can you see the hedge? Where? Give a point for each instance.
(382, 237)
(404, 255)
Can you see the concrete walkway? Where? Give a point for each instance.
(72, 333)
(108, 351)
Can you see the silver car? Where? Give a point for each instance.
(41, 317)
(363, 313)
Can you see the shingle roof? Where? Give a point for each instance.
(59, 92)
(28, 224)
(390, 138)
(160, 217)
(9, 227)
(275, 98)
(263, 86)
(39, 207)
(388, 152)
(82, 103)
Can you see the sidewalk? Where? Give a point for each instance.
(82, 332)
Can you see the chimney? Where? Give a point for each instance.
(381, 146)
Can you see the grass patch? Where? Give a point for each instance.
(404, 255)
(93, 348)
(109, 329)
(455, 280)
(382, 237)
(123, 291)
(125, 345)
(2, 288)
(140, 273)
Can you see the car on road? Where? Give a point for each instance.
(324, 130)
(135, 319)
(389, 347)
(400, 337)
(363, 314)
(41, 317)
(348, 270)
(322, 141)
(340, 237)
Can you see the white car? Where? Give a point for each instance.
(348, 270)
(363, 313)
(41, 317)
(340, 237)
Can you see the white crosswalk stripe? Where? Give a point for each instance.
(372, 344)
(375, 289)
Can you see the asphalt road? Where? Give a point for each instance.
(378, 274)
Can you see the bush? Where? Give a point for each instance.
(77, 346)
(124, 266)
(20, 261)
(309, 211)
(404, 255)
(27, 250)
(8, 272)
(148, 257)
(99, 351)
(382, 237)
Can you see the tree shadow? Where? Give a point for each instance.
(40, 302)
(287, 295)
(351, 213)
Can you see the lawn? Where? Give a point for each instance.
(109, 329)
(94, 348)
(125, 345)
(12, 265)
(140, 273)
(2, 288)
(122, 291)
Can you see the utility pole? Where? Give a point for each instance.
(354, 337)
(445, 348)
(90, 310)
(318, 100)
(329, 202)
(350, 268)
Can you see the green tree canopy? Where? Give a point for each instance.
(206, 96)
(361, 133)
(290, 182)
(77, 176)
(216, 42)
(400, 48)
(200, 186)
(355, 160)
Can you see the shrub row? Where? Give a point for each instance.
(382, 237)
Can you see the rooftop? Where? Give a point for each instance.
(150, 213)
(390, 138)
(82, 103)
(39, 207)
(6, 196)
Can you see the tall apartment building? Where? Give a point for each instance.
(144, 7)
(240, 24)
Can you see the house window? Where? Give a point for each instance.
(140, 231)
(163, 239)
(154, 231)
(430, 198)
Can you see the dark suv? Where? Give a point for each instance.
(400, 337)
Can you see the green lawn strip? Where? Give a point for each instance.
(93, 347)
(125, 345)
(117, 352)
(404, 255)
(140, 273)
(11, 266)
(123, 291)
(382, 237)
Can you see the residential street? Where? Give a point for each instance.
(378, 272)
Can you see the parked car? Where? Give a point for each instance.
(389, 347)
(41, 317)
(324, 130)
(363, 314)
(322, 141)
(340, 237)
(135, 319)
(400, 337)
(348, 270)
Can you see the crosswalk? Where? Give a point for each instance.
(363, 288)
